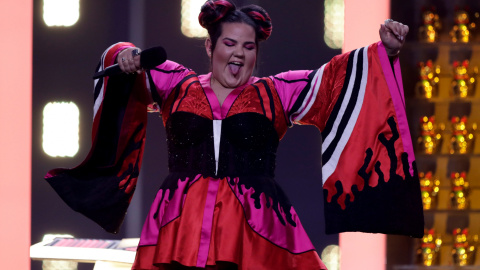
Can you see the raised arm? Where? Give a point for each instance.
(356, 100)
(392, 35)
(102, 186)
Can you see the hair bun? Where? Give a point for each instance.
(213, 11)
(261, 19)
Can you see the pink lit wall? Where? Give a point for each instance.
(15, 132)
(360, 250)
(362, 22)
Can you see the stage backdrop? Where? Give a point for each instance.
(15, 132)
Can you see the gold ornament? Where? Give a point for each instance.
(462, 29)
(460, 190)
(463, 84)
(429, 140)
(427, 87)
(462, 140)
(431, 25)
(429, 187)
(463, 250)
(430, 248)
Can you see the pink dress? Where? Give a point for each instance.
(220, 201)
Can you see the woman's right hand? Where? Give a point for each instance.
(129, 60)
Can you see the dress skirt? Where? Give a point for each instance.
(231, 238)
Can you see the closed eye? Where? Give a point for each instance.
(250, 47)
(229, 42)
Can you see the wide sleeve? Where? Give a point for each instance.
(162, 79)
(102, 186)
(369, 175)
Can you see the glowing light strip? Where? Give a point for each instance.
(61, 12)
(190, 26)
(60, 129)
(334, 23)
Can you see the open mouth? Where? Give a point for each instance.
(235, 67)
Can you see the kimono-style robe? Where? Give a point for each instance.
(220, 201)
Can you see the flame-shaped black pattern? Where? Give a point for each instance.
(171, 183)
(272, 192)
(393, 207)
(248, 146)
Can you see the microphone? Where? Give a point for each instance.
(149, 59)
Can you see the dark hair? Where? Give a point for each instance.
(216, 12)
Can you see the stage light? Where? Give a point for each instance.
(331, 257)
(334, 23)
(190, 26)
(61, 12)
(61, 129)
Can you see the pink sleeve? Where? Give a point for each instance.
(289, 86)
(163, 79)
(299, 89)
(160, 81)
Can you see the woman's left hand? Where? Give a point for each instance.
(393, 34)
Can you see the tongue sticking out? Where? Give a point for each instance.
(234, 69)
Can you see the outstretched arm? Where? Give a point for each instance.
(368, 166)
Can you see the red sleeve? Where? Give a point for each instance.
(102, 186)
(369, 173)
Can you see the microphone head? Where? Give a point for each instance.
(152, 57)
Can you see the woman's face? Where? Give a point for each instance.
(235, 55)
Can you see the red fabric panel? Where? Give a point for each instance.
(232, 238)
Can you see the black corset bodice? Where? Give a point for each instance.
(248, 145)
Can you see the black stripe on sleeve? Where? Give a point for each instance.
(270, 96)
(177, 93)
(153, 89)
(291, 81)
(169, 71)
(341, 97)
(260, 98)
(185, 94)
(348, 111)
(98, 85)
(177, 89)
(303, 94)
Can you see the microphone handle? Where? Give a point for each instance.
(111, 70)
(149, 59)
